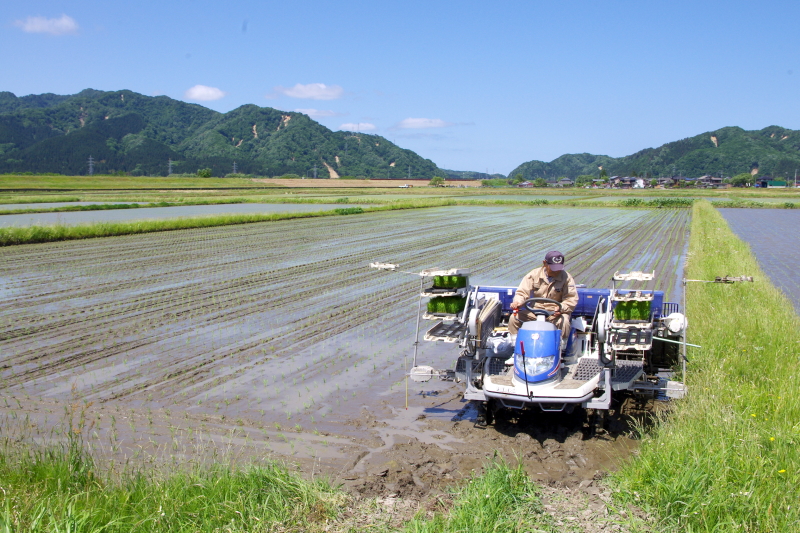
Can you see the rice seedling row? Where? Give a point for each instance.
(281, 321)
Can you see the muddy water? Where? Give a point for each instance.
(276, 339)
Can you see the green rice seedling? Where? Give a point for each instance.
(632, 311)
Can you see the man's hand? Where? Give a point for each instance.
(514, 306)
(556, 314)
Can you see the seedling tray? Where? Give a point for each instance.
(435, 291)
(633, 339)
(446, 332)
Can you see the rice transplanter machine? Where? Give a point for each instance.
(623, 341)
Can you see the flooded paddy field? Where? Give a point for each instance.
(773, 237)
(142, 213)
(277, 340)
(49, 205)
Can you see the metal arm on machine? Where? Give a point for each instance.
(718, 279)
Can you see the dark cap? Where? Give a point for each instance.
(555, 260)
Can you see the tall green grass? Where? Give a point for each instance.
(501, 499)
(727, 458)
(59, 489)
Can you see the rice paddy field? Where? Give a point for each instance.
(773, 238)
(277, 337)
(152, 213)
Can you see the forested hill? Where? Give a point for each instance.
(129, 132)
(774, 151)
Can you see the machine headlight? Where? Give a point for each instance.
(537, 365)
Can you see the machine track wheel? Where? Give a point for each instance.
(597, 422)
(491, 411)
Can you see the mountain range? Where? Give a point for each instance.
(124, 131)
(772, 151)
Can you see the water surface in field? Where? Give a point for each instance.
(772, 235)
(126, 215)
(50, 205)
(519, 197)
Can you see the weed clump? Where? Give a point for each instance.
(348, 211)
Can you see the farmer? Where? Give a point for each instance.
(547, 281)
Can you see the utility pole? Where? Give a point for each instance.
(795, 178)
(169, 164)
(315, 171)
(91, 166)
(234, 167)
(409, 174)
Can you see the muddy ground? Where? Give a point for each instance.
(395, 461)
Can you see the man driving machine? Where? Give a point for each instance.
(547, 281)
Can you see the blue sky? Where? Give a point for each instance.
(470, 85)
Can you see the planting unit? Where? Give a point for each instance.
(623, 341)
(447, 296)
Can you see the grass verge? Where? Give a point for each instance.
(728, 457)
(59, 489)
(501, 499)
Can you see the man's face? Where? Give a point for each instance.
(547, 268)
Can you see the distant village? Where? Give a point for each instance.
(632, 182)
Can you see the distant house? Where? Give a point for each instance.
(768, 182)
(525, 184)
(565, 182)
(625, 182)
(709, 182)
(665, 182)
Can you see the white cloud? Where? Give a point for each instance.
(361, 126)
(311, 91)
(319, 113)
(204, 93)
(420, 123)
(60, 26)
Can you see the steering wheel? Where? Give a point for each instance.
(530, 302)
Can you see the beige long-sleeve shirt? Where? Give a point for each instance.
(560, 287)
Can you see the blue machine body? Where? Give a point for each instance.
(536, 352)
(587, 300)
